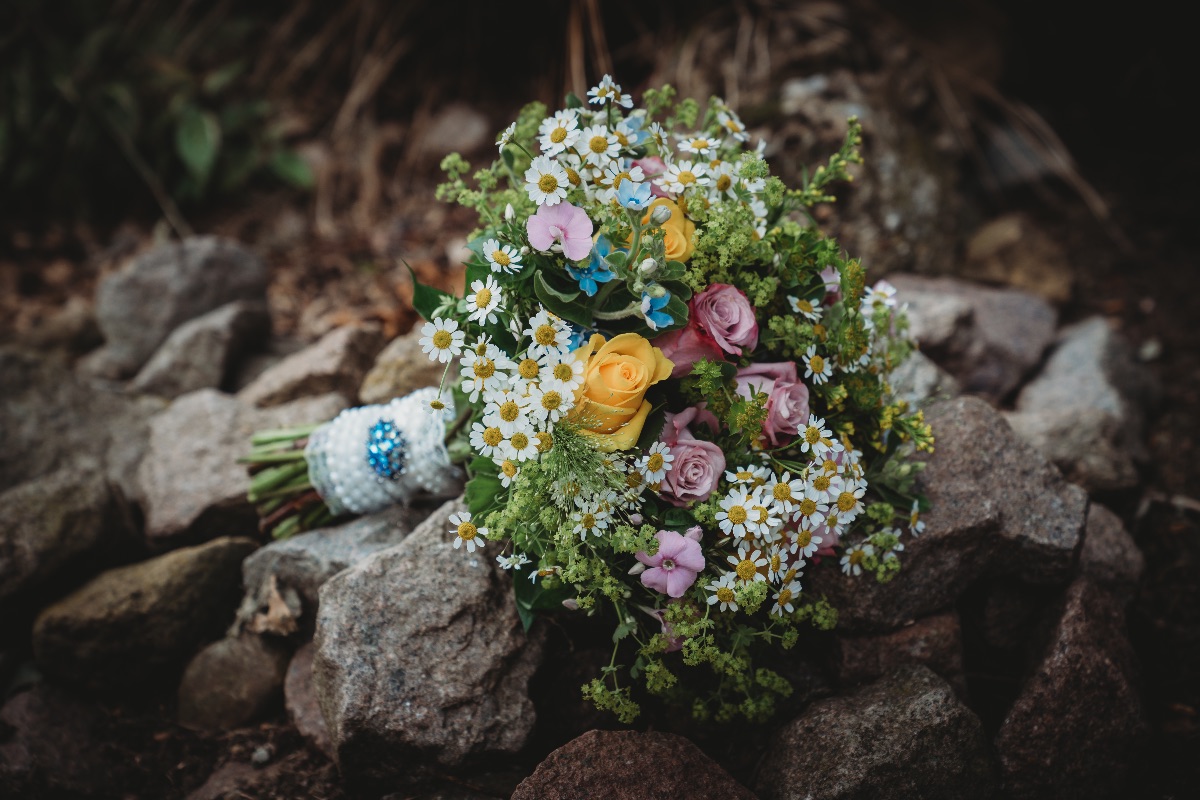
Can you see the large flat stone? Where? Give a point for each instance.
(336, 363)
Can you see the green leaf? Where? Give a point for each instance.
(678, 519)
(532, 597)
(197, 142)
(220, 78)
(482, 492)
(561, 303)
(573, 100)
(426, 299)
(288, 165)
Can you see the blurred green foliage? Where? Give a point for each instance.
(110, 98)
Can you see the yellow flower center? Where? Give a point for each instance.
(545, 335)
(558, 134)
(551, 400)
(598, 144)
(481, 349)
(723, 183)
(588, 520)
(442, 340)
(821, 483)
(829, 465)
(857, 557)
(633, 480)
(762, 514)
(467, 531)
(819, 330)
(817, 364)
(746, 569)
(509, 411)
(737, 515)
(528, 369)
(573, 176)
(483, 298)
(621, 138)
(745, 475)
(484, 368)
(508, 468)
(492, 437)
(785, 596)
(812, 435)
(700, 144)
(686, 176)
(846, 501)
(776, 563)
(563, 371)
(548, 183)
(520, 440)
(808, 506)
(501, 258)
(436, 405)
(725, 594)
(544, 441)
(655, 462)
(804, 538)
(782, 491)
(804, 306)
(620, 176)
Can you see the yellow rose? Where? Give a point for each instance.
(677, 231)
(611, 403)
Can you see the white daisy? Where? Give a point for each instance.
(549, 334)
(559, 132)
(750, 475)
(749, 564)
(442, 340)
(827, 486)
(548, 403)
(435, 407)
(777, 563)
(811, 509)
(508, 472)
(512, 561)
(806, 308)
(765, 520)
(805, 542)
(546, 181)
(484, 299)
(785, 492)
(698, 144)
(589, 519)
(735, 512)
(521, 446)
(724, 181)
(815, 438)
(483, 373)
(732, 125)
(849, 503)
(659, 134)
(465, 531)
(852, 560)
(502, 257)
(598, 146)
(507, 411)
(655, 465)
(683, 175)
(565, 370)
(486, 439)
(784, 597)
(506, 137)
(722, 592)
(609, 92)
(916, 526)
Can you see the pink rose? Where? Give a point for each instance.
(726, 315)
(698, 464)
(561, 223)
(686, 346)
(787, 397)
(673, 569)
(652, 167)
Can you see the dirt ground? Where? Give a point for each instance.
(1110, 88)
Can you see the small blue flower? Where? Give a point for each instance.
(652, 310)
(632, 195)
(631, 128)
(579, 335)
(596, 271)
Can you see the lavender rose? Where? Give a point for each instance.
(787, 397)
(698, 464)
(725, 313)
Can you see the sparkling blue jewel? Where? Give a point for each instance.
(386, 450)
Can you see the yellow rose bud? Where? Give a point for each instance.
(611, 403)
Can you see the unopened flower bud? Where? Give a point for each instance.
(635, 519)
(660, 214)
(509, 213)
(570, 604)
(647, 268)
(637, 569)
(656, 290)
(525, 250)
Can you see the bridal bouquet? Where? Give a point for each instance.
(669, 392)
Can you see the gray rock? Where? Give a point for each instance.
(51, 418)
(138, 307)
(1110, 557)
(192, 486)
(232, 682)
(1016, 250)
(989, 350)
(934, 641)
(303, 707)
(336, 363)
(421, 657)
(51, 522)
(997, 509)
(137, 623)
(202, 352)
(401, 368)
(1076, 727)
(457, 128)
(303, 563)
(1087, 407)
(904, 736)
(629, 765)
(49, 746)
(919, 381)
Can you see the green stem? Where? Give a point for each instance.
(283, 434)
(273, 477)
(630, 310)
